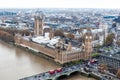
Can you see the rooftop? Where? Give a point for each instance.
(51, 43)
(112, 53)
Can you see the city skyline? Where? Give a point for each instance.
(59, 4)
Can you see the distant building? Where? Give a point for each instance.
(116, 29)
(112, 60)
(78, 35)
(0, 21)
(104, 26)
(97, 35)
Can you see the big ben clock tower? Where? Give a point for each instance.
(88, 45)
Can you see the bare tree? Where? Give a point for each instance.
(118, 73)
(70, 35)
(59, 33)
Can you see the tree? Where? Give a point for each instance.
(6, 36)
(109, 39)
(59, 33)
(70, 35)
(103, 67)
(118, 73)
(118, 42)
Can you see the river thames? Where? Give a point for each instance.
(16, 63)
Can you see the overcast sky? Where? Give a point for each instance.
(59, 3)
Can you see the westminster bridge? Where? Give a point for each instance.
(65, 71)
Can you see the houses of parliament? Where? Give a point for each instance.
(44, 42)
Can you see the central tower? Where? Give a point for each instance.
(38, 23)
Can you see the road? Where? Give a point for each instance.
(85, 68)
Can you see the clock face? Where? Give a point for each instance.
(90, 37)
(86, 37)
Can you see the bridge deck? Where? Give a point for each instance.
(44, 76)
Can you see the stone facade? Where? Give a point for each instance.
(58, 56)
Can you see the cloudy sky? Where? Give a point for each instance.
(59, 4)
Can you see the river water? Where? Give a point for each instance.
(16, 63)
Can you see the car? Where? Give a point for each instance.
(93, 61)
(52, 72)
(59, 70)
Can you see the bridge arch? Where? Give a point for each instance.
(61, 76)
(74, 72)
(49, 79)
